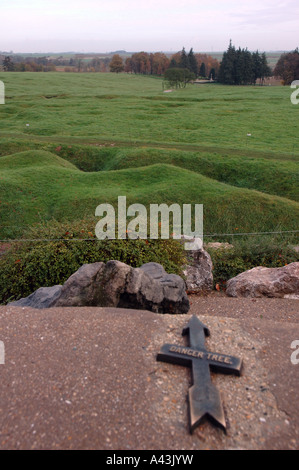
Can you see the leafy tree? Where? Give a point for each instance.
(287, 67)
(116, 65)
(178, 77)
(139, 63)
(159, 63)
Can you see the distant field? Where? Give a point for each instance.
(69, 142)
(134, 108)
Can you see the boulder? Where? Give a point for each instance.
(96, 284)
(44, 297)
(115, 284)
(266, 282)
(198, 272)
(151, 288)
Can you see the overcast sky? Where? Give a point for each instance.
(151, 25)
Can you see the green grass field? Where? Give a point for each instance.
(69, 142)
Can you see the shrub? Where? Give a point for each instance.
(248, 254)
(29, 265)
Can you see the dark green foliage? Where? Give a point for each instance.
(184, 62)
(192, 63)
(178, 77)
(202, 70)
(241, 67)
(30, 265)
(8, 64)
(248, 254)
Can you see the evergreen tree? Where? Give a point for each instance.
(227, 67)
(173, 63)
(241, 67)
(202, 70)
(184, 61)
(192, 62)
(212, 74)
(257, 66)
(248, 71)
(265, 69)
(8, 64)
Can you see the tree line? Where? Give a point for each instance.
(158, 63)
(237, 67)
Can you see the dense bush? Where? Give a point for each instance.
(29, 265)
(248, 254)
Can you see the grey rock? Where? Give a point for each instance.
(266, 282)
(151, 288)
(44, 297)
(198, 272)
(116, 284)
(79, 290)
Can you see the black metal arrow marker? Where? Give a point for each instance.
(204, 398)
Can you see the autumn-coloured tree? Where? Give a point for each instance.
(116, 65)
(159, 63)
(287, 67)
(210, 63)
(175, 60)
(139, 63)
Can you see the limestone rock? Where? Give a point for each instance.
(266, 282)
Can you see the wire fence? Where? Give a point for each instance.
(208, 235)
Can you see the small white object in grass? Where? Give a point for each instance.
(248, 135)
(27, 125)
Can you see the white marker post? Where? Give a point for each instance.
(2, 353)
(2, 93)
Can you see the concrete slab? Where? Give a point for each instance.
(87, 378)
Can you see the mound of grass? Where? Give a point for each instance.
(277, 177)
(37, 186)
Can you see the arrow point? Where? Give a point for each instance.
(195, 322)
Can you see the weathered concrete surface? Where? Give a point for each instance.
(87, 378)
